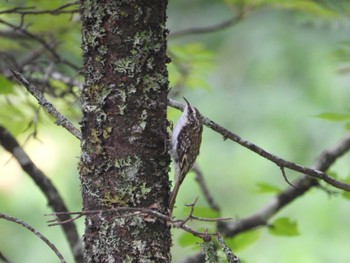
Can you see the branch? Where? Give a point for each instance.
(41, 41)
(202, 184)
(203, 219)
(49, 190)
(273, 158)
(299, 187)
(38, 234)
(147, 213)
(209, 29)
(60, 119)
(4, 259)
(13, 35)
(32, 56)
(26, 10)
(302, 184)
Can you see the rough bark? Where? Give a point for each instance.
(124, 160)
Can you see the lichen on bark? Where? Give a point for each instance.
(124, 160)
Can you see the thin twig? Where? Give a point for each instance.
(285, 176)
(60, 119)
(63, 222)
(191, 206)
(205, 190)
(32, 56)
(209, 29)
(214, 219)
(269, 156)
(28, 11)
(134, 211)
(37, 233)
(204, 219)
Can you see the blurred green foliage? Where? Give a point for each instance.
(190, 65)
(6, 86)
(274, 78)
(243, 240)
(284, 226)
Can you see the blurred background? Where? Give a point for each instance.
(278, 78)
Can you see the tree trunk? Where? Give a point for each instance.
(124, 159)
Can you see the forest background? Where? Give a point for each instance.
(279, 77)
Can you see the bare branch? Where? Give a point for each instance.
(13, 35)
(215, 219)
(41, 41)
(146, 213)
(209, 29)
(203, 219)
(32, 56)
(302, 185)
(48, 189)
(27, 10)
(4, 259)
(202, 184)
(38, 234)
(60, 119)
(273, 158)
(285, 176)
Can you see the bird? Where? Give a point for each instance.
(185, 144)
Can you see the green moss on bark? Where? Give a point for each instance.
(124, 161)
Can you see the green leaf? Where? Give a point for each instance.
(188, 240)
(6, 86)
(191, 64)
(284, 227)
(347, 126)
(346, 195)
(266, 188)
(332, 116)
(243, 240)
(307, 7)
(342, 53)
